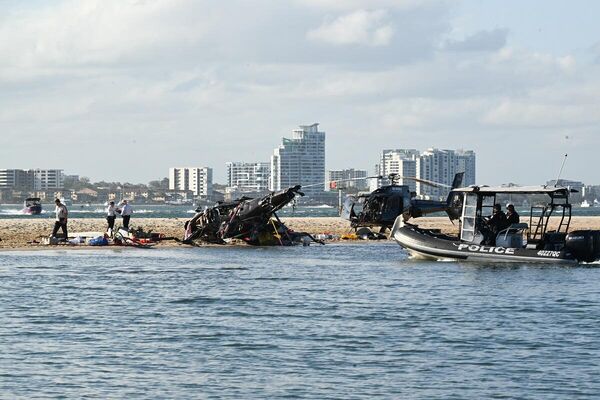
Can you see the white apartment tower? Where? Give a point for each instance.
(466, 161)
(402, 162)
(248, 177)
(47, 179)
(195, 180)
(440, 166)
(300, 161)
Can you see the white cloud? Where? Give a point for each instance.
(360, 27)
(344, 5)
(481, 41)
(73, 33)
(210, 81)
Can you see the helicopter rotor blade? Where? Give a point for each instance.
(431, 183)
(338, 180)
(423, 181)
(395, 177)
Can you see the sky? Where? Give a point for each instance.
(121, 90)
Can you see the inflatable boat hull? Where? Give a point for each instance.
(422, 243)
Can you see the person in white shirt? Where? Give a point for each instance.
(111, 215)
(126, 212)
(62, 214)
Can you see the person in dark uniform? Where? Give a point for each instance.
(495, 223)
(512, 217)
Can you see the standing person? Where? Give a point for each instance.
(512, 217)
(126, 212)
(62, 214)
(111, 215)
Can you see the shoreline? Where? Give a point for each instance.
(18, 233)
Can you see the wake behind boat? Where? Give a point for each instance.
(545, 238)
(32, 206)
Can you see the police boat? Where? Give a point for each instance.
(541, 236)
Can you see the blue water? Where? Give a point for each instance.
(79, 211)
(332, 322)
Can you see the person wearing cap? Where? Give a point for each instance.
(62, 215)
(512, 217)
(126, 211)
(111, 215)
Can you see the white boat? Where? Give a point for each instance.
(585, 204)
(32, 206)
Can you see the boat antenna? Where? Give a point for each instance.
(561, 170)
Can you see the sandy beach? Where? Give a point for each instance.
(16, 233)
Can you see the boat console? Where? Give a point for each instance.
(512, 236)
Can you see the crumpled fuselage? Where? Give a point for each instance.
(253, 221)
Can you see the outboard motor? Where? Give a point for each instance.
(584, 245)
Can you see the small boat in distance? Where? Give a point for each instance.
(585, 204)
(32, 206)
(179, 202)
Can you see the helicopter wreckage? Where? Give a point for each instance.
(253, 221)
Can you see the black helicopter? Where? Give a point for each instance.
(381, 207)
(253, 221)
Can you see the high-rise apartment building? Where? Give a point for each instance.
(440, 166)
(248, 177)
(466, 162)
(300, 161)
(32, 179)
(402, 162)
(433, 165)
(195, 180)
(347, 179)
(437, 166)
(48, 179)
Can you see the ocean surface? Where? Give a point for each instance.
(80, 211)
(345, 321)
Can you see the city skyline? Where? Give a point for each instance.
(98, 86)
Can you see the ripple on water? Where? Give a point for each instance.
(341, 321)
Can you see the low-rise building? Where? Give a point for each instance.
(32, 179)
